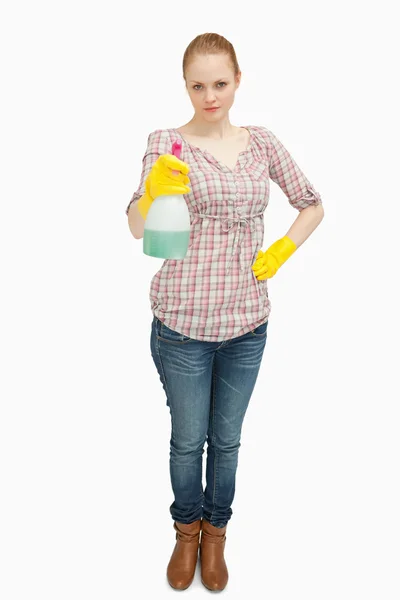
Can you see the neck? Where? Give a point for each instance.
(220, 130)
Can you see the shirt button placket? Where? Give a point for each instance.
(236, 186)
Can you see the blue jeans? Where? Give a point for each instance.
(208, 386)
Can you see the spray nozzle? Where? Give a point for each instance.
(176, 151)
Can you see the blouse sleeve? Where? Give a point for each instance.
(156, 145)
(284, 171)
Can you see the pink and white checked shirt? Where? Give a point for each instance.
(212, 294)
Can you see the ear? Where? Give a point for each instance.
(238, 79)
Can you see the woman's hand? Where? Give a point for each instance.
(161, 181)
(267, 263)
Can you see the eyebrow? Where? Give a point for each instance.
(218, 80)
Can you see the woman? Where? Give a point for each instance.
(211, 308)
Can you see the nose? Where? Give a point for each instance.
(210, 97)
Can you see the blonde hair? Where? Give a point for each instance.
(209, 43)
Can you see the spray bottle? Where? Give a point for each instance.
(167, 226)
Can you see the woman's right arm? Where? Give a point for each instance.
(135, 221)
(161, 180)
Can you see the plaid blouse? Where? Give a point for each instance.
(212, 294)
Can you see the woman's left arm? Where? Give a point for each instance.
(307, 220)
(267, 263)
(301, 194)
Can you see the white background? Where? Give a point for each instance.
(84, 427)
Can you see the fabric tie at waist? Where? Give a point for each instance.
(227, 223)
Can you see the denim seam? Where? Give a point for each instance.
(162, 369)
(213, 438)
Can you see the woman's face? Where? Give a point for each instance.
(210, 81)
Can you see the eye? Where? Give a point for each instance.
(219, 83)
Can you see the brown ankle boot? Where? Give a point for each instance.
(182, 565)
(214, 573)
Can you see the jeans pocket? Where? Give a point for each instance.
(171, 336)
(261, 330)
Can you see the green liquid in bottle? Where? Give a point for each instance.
(165, 244)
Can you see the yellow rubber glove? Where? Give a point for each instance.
(267, 263)
(161, 181)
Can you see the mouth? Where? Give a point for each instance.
(212, 109)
